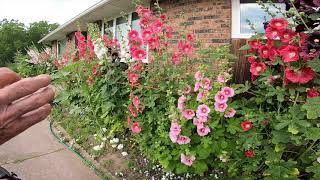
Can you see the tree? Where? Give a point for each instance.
(38, 30)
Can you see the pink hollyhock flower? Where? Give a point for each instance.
(203, 131)
(202, 119)
(279, 24)
(136, 128)
(220, 107)
(272, 33)
(221, 97)
(190, 37)
(158, 26)
(114, 43)
(252, 59)
(90, 45)
(287, 35)
(271, 79)
(139, 54)
(154, 43)
(254, 44)
(201, 95)
(246, 125)
(203, 110)
(133, 78)
(163, 17)
(187, 49)
(187, 160)
(230, 113)
(302, 76)
(136, 101)
(176, 58)
(197, 122)
(188, 114)
(129, 120)
(145, 13)
(312, 93)
(227, 91)
(197, 87)
(175, 129)
(257, 68)
(290, 54)
(181, 106)
(133, 35)
(187, 90)
(146, 35)
(132, 111)
(181, 102)
(198, 76)
(169, 31)
(106, 40)
(221, 79)
(206, 84)
(183, 140)
(143, 23)
(136, 67)
(249, 154)
(173, 137)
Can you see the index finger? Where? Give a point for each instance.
(23, 88)
(7, 77)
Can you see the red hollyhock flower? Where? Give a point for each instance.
(252, 59)
(176, 58)
(146, 35)
(254, 44)
(279, 24)
(272, 33)
(266, 52)
(249, 154)
(287, 35)
(257, 68)
(163, 17)
(90, 45)
(169, 32)
(133, 78)
(136, 67)
(311, 93)
(154, 43)
(143, 23)
(158, 26)
(246, 125)
(139, 54)
(132, 111)
(290, 53)
(129, 120)
(106, 40)
(302, 76)
(190, 37)
(133, 35)
(136, 101)
(135, 128)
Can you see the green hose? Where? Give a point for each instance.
(87, 162)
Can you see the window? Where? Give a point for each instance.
(249, 9)
(122, 32)
(62, 45)
(108, 30)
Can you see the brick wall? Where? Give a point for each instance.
(209, 20)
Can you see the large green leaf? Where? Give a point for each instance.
(312, 107)
(315, 64)
(313, 133)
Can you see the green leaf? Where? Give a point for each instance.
(315, 64)
(313, 133)
(282, 125)
(200, 167)
(181, 169)
(312, 107)
(314, 16)
(245, 47)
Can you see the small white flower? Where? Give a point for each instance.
(318, 159)
(95, 135)
(124, 154)
(111, 141)
(104, 139)
(104, 129)
(120, 146)
(97, 148)
(116, 140)
(114, 146)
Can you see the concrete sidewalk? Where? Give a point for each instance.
(36, 155)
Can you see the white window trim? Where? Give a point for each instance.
(235, 32)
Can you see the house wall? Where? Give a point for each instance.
(54, 45)
(209, 20)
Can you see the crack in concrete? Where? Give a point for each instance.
(32, 157)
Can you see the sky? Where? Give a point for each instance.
(54, 11)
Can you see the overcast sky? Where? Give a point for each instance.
(28, 11)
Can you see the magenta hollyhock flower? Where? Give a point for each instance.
(203, 131)
(175, 128)
(190, 37)
(188, 114)
(197, 86)
(221, 79)
(183, 140)
(220, 107)
(221, 97)
(187, 160)
(203, 111)
(230, 113)
(198, 76)
(202, 118)
(227, 91)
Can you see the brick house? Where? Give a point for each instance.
(213, 22)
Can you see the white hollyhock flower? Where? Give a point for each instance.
(97, 148)
(124, 154)
(120, 146)
(99, 48)
(116, 140)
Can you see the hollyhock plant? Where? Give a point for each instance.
(187, 90)
(146, 35)
(173, 137)
(198, 76)
(187, 160)
(272, 33)
(220, 107)
(302, 76)
(188, 114)
(197, 87)
(287, 36)
(181, 102)
(206, 84)
(175, 128)
(203, 95)
(230, 113)
(169, 31)
(176, 58)
(220, 97)
(133, 35)
(158, 26)
(203, 131)
(132, 111)
(154, 43)
(227, 91)
(252, 59)
(312, 93)
(246, 125)
(183, 140)
(136, 128)
(203, 110)
(197, 122)
(279, 24)
(254, 44)
(290, 54)
(257, 68)
(220, 79)
(133, 78)
(139, 54)
(136, 101)
(249, 154)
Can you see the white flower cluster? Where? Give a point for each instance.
(114, 143)
(99, 147)
(99, 48)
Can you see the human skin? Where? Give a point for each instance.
(23, 102)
